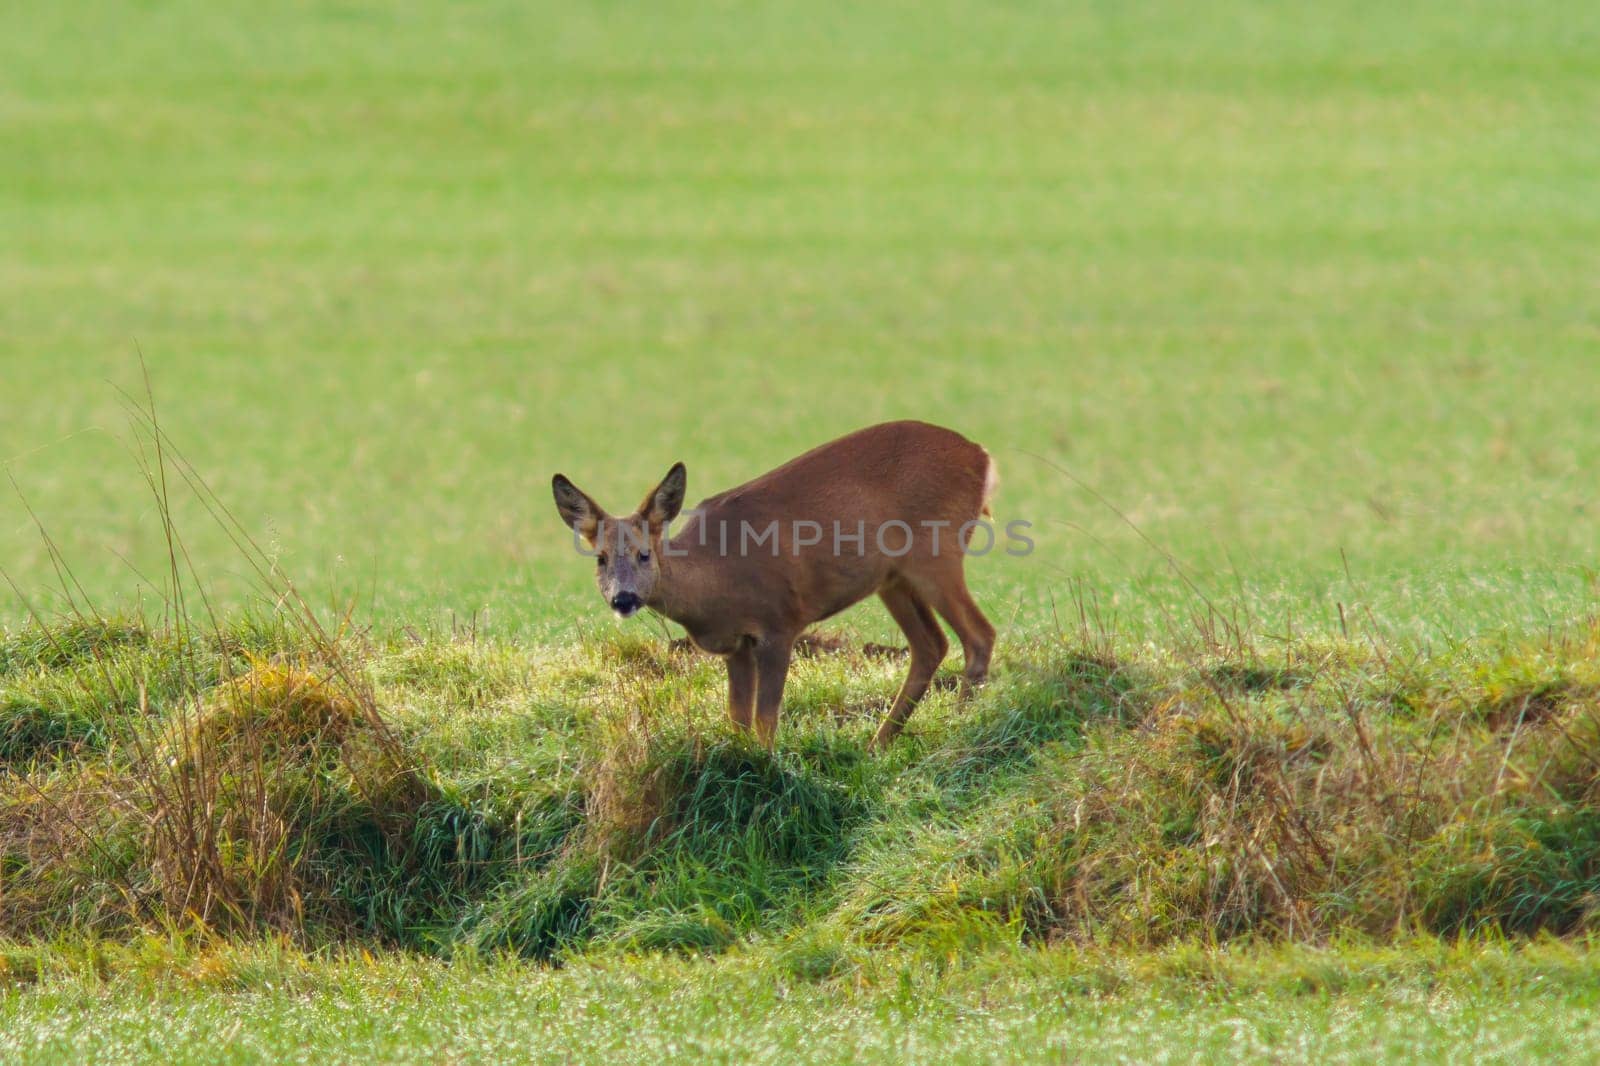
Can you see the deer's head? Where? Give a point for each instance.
(626, 550)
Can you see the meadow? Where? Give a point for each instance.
(1282, 326)
(1278, 287)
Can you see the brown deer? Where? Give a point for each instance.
(889, 509)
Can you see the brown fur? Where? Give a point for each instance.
(750, 607)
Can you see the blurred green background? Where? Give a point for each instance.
(1312, 294)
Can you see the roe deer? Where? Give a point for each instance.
(754, 566)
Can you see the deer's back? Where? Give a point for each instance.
(910, 471)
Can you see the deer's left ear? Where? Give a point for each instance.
(577, 510)
(666, 499)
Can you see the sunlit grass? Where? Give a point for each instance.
(1416, 1002)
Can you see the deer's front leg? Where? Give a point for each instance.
(741, 684)
(772, 669)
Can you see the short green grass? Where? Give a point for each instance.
(1308, 295)
(1422, 1002)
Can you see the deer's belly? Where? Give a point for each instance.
(717, 643)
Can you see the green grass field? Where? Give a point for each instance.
(1278, 286)
(1304, 299)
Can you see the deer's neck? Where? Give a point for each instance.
(685, 576)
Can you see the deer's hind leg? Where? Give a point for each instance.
(928, 648)
(946, 590)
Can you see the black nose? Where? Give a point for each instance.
(626, 602)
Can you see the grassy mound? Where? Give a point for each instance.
(552, 802)
(278, 800)
(1304, 812)
(262, 800)
(735, 837)
(687, 842)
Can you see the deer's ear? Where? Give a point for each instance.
(577, 510)
(666, 499)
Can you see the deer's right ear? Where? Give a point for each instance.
(666, 499)
(578, 511)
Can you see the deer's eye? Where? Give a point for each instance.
(600, 560)
(644, 557)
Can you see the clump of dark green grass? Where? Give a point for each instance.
(72, 641)
(32, 727)
(82, 684)
(690, 839)
(736, 837)
(1046, 700)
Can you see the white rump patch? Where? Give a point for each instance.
(991, 481)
